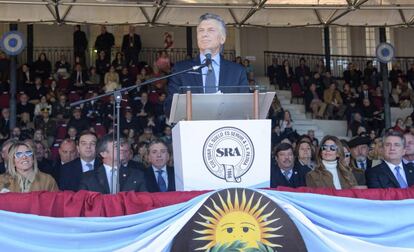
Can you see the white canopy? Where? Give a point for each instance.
(265, 13)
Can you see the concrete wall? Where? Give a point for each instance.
(403, 41)
(358, 45)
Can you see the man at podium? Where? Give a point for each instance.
(219, 73)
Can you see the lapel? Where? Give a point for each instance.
(409, 173)
(390, 174)
(196, 76)
(171, 179)
(79, 170)
(222, 81)
(151, 180)
(102, 179)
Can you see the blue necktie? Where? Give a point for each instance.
(161, 181)
(400, 179)
(90, 167)
(210, 80)
(286, 174)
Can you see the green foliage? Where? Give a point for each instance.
(239, 246)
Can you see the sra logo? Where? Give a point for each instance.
(228, 153)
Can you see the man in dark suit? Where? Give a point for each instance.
(102, 179)
(211, 35)
(70, 174)
(80, 43)
(79, 77)
(359, 152)
(159, 176)
(392, 172)
(67, 152)
(285, 172)
(104, 42)
(408, 158)
(5, 122)
(131, 47)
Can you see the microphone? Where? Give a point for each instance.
(207, 53)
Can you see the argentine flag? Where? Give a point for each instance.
(326, 224)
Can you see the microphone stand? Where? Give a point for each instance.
(118, 98)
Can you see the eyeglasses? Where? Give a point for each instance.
(20, 154)
(331, 147)
(348, 154)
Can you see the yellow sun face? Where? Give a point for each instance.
(238, 226)
(235, 220)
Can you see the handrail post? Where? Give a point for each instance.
(256, 104)
(189, 106)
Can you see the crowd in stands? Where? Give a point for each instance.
(357, 97)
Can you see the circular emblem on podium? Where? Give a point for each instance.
(12, 43)
(228, 153)
(385, 52)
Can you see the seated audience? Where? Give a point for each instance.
(71, 172)
(392, 172)
(101, 179)
(330, 170)
(359, 174)
(23, 174)
(285, 172)
(159, 176)
(305, 154)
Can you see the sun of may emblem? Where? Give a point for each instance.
(247, 223)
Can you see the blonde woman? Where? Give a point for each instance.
(22, 174)
(111, 80)
(331, 170)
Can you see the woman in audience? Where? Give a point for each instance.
(22, 174)
(163, 62)
(140, 153)
(320, 67)
(102, 64)
(42, 67)
(305, 154)
(375, 152)
(399, 125)
(111, 80)
(286, 125)
(43, 104)
(286, 75)
(358, 173)
(119, 62)
(331, 170)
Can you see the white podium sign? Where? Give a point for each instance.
(210, 155)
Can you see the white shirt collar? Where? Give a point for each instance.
(84, 167)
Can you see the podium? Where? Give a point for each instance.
(222, 146)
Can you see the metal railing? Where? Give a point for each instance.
(339, 63)
(148, 55)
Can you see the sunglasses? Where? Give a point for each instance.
(347, 155)
(331, 147)
(20, 154)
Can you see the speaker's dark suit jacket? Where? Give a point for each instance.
(231, 74)
(381, 176)
(129, 180)
(71, 173)
(151, 180)
(297, 179)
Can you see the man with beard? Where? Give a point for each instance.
(359, 152)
